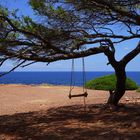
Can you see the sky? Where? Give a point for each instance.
(92, 63)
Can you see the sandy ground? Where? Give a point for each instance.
(46, 113)
(25, 98)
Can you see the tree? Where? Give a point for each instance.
(69, 29)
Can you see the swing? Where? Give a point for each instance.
(72, 84)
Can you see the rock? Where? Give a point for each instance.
(127, 99)
(133, 124)
(138, 100)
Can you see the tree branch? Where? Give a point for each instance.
(56, 57)
(48, 44)
(131, 55)
(120, 11)
(28, 64)
(13, 68)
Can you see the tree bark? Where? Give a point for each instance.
(119, 67)
(116, 95)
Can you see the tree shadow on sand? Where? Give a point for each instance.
(71, 122)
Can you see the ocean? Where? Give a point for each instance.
(56, 78)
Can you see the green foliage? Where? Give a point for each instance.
(3, 11)
(37, 3)
(60, 27)
(138, 90)
(28, 24)
(108, 83)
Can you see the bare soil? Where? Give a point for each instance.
(46, 113)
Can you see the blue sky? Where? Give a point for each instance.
(93, 63)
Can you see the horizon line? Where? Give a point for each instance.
(67, 71)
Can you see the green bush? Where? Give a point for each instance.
(138, 90)
(108, 83)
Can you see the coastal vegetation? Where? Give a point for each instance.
(108, 83)
(138, 90)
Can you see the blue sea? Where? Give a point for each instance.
(56, 78)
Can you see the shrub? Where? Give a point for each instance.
(138, 90)
(108, 83)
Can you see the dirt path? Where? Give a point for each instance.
(23, 98)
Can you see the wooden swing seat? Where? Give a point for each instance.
(85, 94)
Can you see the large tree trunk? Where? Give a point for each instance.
(119, 67)
(116, 95)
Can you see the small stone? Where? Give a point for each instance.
(138, 100)
(133, 124)
(127, 99)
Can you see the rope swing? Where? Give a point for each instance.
(72, 82)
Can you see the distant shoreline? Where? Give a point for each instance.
(64, 71)
(57, 78)
(49, 85)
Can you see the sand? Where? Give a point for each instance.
(25, 98)
(46, 113)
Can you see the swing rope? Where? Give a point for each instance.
(72, 82)
(84, 75)
(84, 82)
